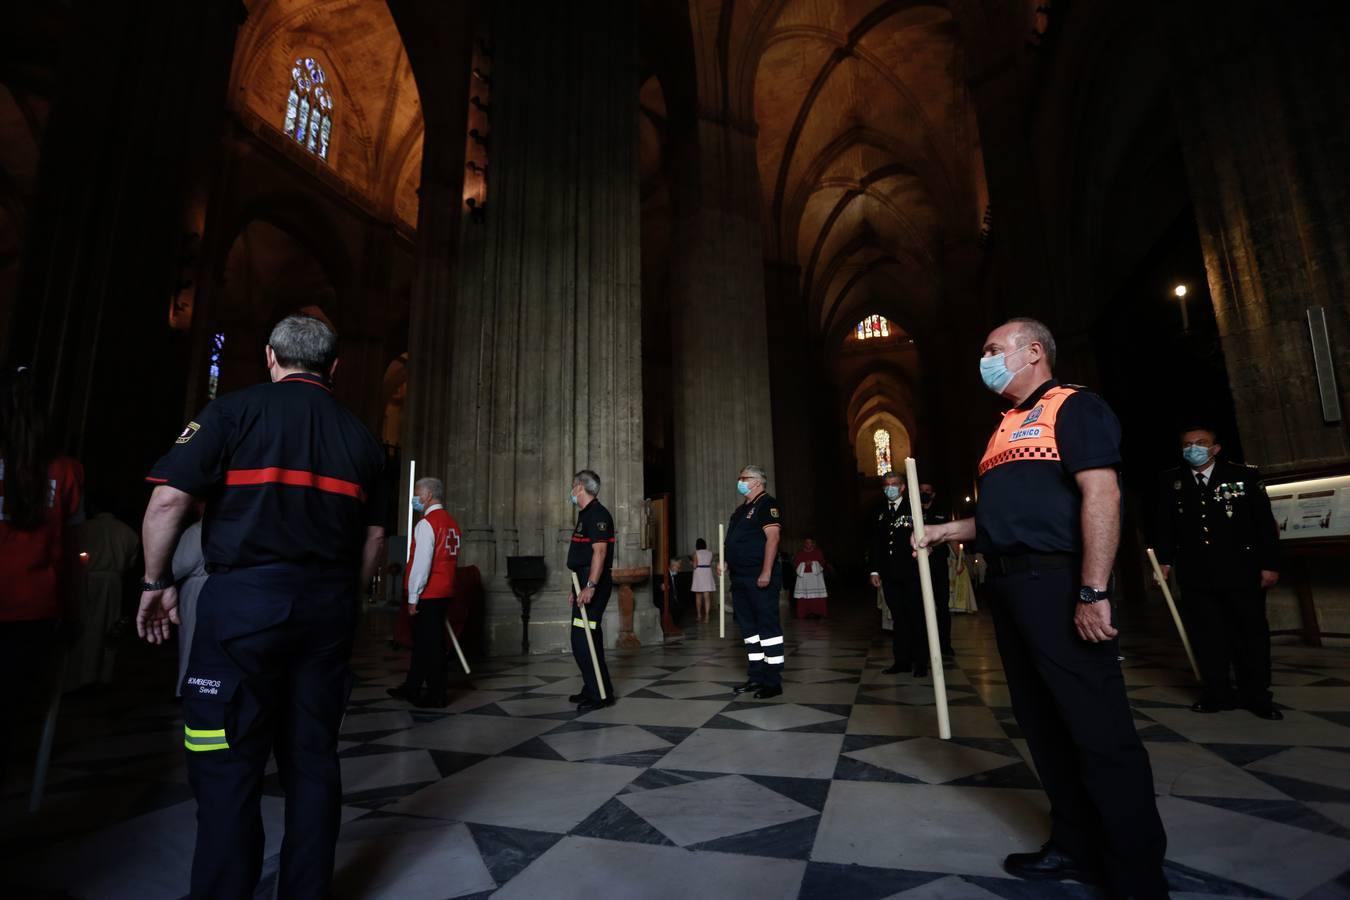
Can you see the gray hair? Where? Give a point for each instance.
(433, 486)
(304, 342)
(757, 473)
(893, 474)
(1034, 331)
(589, 481)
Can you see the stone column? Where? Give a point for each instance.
(723, 417)
(1261, 105)
(546, 374)
(800, 400)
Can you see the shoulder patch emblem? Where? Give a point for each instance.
(188, 433)
(773, 511)
(1033, 416)
(601, 525)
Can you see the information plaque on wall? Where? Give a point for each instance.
(1316, 508)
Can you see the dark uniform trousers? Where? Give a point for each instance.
(1069, 699)
(1230, 630)
(756, 611)
(268, 674)
(595, 611)
(428, 655)
(942, 598)
(909, 631)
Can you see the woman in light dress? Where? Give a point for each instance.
(959, 571)
(703, 586)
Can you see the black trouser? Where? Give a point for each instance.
(268, 675)
(428, 653)
(1229, 629)
(26, 673)
(595, 611)
(909, 631)
(942, 598)
(756, 610)
(1069, 699)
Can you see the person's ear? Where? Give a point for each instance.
(332, 370)
(270, 356)
(1214, 450)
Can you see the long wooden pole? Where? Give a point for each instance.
(721, 581)
(458, 650)
(929, 608)
(1172, 605)
(412, 492)
(590, 641)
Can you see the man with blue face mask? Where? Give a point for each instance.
(896, 572)
(1214, 522)
(752, 558)
(1048, 522)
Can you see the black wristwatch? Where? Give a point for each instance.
(148, 586)
(589, 583)
(1091, 595)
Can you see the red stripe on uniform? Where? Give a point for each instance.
(156, 480)
(294, 478)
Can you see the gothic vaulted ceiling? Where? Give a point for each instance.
(376, 144)
(869, 157)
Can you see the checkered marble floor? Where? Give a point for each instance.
(838, 789)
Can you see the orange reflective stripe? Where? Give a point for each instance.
(1027, 434)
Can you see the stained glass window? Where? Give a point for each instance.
(309, 107)
(881, 438)
(213, 373)
(873, 326)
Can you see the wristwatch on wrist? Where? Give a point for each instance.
(1091, 595)
(148, 586)
(589, 583)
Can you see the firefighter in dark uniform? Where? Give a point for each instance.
(896, 572)
(591, 557)
(292, 529)
(756, 578)
(1214, 523)
(1048, 522)
(937, 559)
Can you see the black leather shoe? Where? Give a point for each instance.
(767, 692)
(747, 687)
(896, 669)
(1266, 711)
(920, 671)
(589, 705)
(1211, 706)
(1046, 864)
(576, 698)
(400, 693)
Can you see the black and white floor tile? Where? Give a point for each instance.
(838, 789)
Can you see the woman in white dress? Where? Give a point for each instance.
(703, 580)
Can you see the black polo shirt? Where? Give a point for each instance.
(289, 475)
(594, 526)
(746, 538)
(1033, 505)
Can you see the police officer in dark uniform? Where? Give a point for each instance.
(896, 572)
(292, 529)
(756, 578)
(1215, 524)
(591, 557)
(1048, 522)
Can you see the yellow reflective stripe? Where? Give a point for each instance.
(202, 748)
(204, 732)
(577, 623)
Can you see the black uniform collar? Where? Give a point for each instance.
(309, 378)
(1037, 394)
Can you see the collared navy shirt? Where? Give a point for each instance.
(594, 526)
(1034, 505)
(288, 473)
(746, 538)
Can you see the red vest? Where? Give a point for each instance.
(444, 555)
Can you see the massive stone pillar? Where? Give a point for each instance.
(115, 224)
(801, 404)
(1261, 104)
(723, 417)
(546, 373)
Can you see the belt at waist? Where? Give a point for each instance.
(1026, 562)
(702, 567)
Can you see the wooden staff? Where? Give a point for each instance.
(721, 581)
(929, 609)
(459, 652)
(1171, 605)
(412, 492)
(590, 641)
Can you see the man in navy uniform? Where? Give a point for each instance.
(756, 578)
(591, 557)
(1214, 523)
(896, 572)
(1048, 522)
(292, 530)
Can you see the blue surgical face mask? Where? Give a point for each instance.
(995, 372)
(572, 499)
(743, 488)
(418, 505)
(1195, 454)
(892, 491)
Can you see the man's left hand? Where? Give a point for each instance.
(1093, 621)
(1269, 579)
(412, 609)
(586, 595)
(763, 581)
